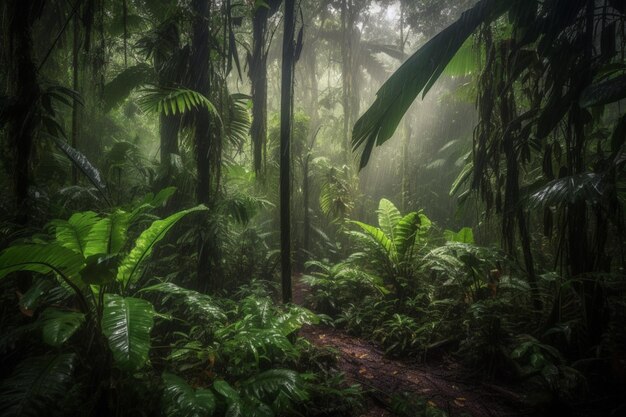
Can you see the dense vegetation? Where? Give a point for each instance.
(444, 178)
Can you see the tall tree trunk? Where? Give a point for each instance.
(75, 103)
(200, 81)
(286, 113)
(345, 76)
(23, 87)
(258, 79)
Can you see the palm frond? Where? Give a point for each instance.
(571, 189)
(417, 75)
(174, 100)
(120, 87)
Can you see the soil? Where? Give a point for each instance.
(446, 385)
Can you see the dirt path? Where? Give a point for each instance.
(445, 385)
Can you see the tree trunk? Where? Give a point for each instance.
(286, 111)
(200, 81)
(75, 103)
(258, 79)
(22, 75)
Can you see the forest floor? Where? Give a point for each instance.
(446, 384)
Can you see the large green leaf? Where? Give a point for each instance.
(125, 82)
(41, 258)
(73, 233)
(378, 236)
(182, 400)
(57, 326)
(404, 233)
(126, 323)
(465, 235)
(417, 75)
(108, 235)
(131, 266)
(36, 386)
(388, 217)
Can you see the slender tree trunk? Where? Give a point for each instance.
(347, 27)
(306, 235)
(258, 79)
(23, 86)
(286, 113)
(75, 103)
(200, 81)
(168, 132)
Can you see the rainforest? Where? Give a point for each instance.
(312, 208)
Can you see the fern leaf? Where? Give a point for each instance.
(183, 400)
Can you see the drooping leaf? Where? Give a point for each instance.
(169, 100)
(57, 326)
(37, 385)
(571, 189)
(417, 75)
(131, 265)
(82, 163)
(41, 258)
(604, 92)
(180, 399)
(125, 82)
(126, 323)
(377, 235)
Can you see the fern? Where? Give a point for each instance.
(196, 303)
(37, 385)
(180, 399)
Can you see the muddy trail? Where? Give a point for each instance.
(446, 385)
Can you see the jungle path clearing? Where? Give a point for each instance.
(445, 385)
